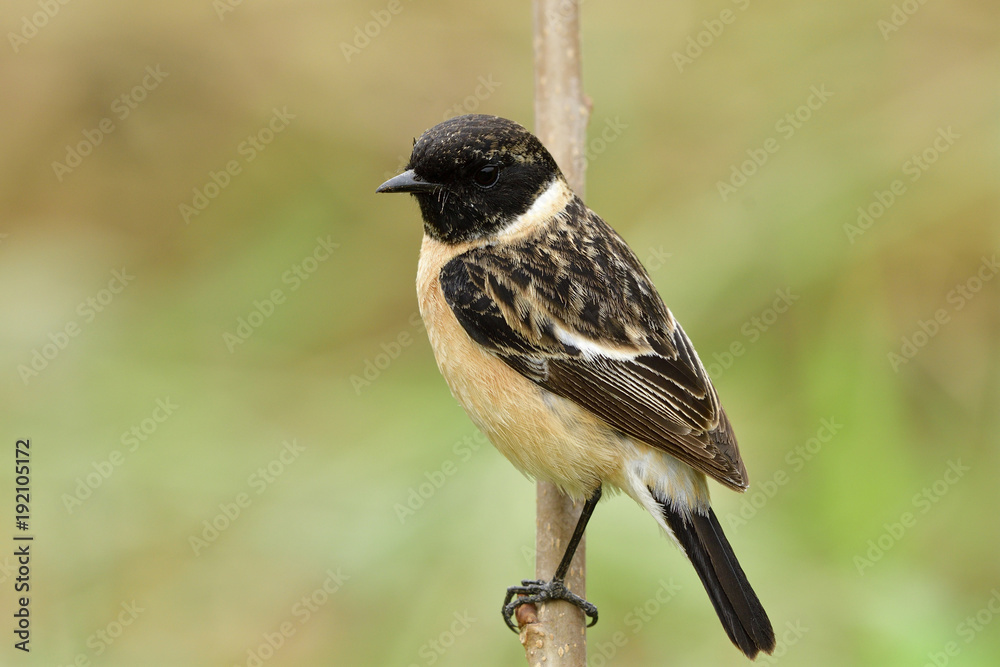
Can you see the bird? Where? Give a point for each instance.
(551, 335)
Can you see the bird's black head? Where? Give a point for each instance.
(473, 175)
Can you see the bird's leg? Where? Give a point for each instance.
(532, 591)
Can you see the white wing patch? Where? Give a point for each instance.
(590, 349)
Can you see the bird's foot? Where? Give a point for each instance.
(536, 591)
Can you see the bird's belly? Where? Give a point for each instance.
(544, 435)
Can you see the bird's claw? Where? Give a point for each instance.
(533, 591)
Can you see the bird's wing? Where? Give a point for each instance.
(594, 331)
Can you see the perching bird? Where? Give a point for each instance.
(551, 335)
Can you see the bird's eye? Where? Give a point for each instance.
(488, 176)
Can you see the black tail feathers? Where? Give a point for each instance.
(737, 605)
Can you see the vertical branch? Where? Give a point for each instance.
(555, 634)
(561, 108)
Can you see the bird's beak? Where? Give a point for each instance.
(408, 181)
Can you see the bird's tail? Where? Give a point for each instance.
(737, 605)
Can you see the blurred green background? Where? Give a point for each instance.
(255, 362)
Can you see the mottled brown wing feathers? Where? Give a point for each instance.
(573, 310)
(646, 406)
